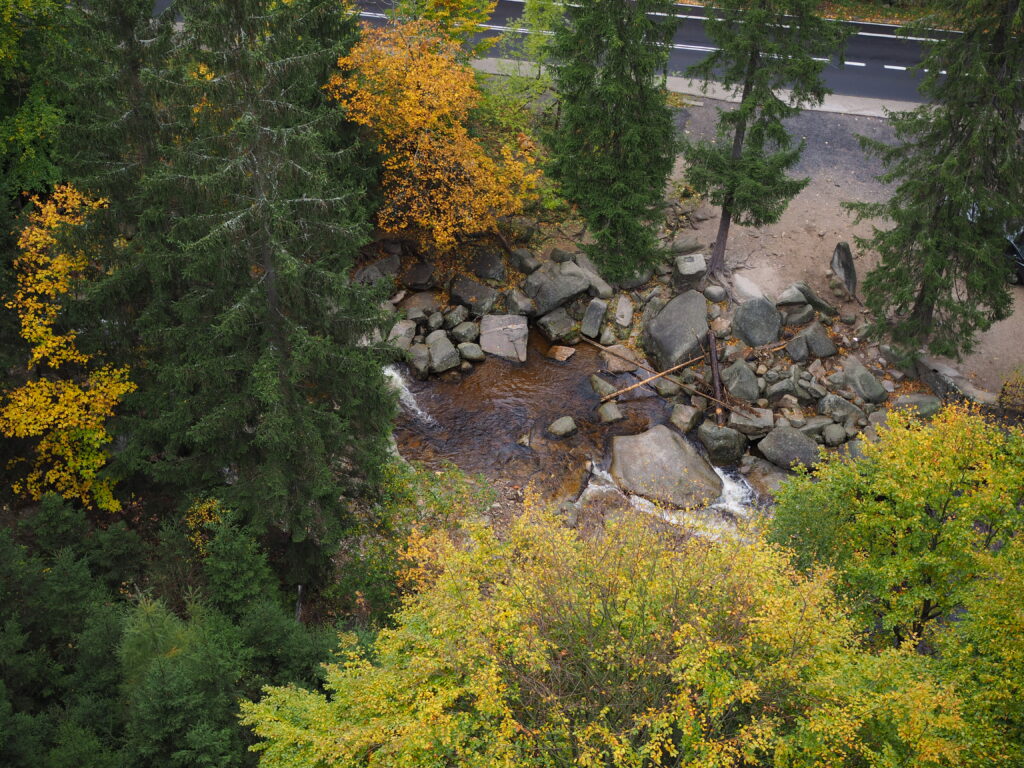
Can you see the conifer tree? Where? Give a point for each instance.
(261, 382)
(613, 144)
(959, 168)
(769, 54)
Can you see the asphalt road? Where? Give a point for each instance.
(877, 61)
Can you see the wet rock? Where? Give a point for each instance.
(785, 445)
(419, 276)
(504, 336)
(715, 293)
(925, 405)
(755, 424)
(757, 322)
(601, 387)
(623, 312)
(619, 359)
(478, 297)
(724, 445)
(741, 381)
(559, 353)
(763, 476)
(663, 467)
(402, 334)
(471, 352)
(685, 417)
(685, 242)
(676, 332)
(562, 427)
(523, 260)
(688, 271)
(488, 265)
(419, 360)
(443, 355)
(554, 284)
(666, 387)
(813, 341)
(609, 412)
(593, 317)
(833, 435)
(464, 332)
(862, 382)
(557, 326)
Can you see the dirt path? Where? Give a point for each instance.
(800, 245)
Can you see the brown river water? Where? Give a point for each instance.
(492, 421)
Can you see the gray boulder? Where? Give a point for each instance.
(833, 435)
(470, 351)
(813, 341)
(676, 332)
(662, 466)
(456, 315)
(419, 360)
(815, 425)
(598, 286)
(609, 412)
(518, 303)
(601, 387)
(685, 417)
(816, 301)
(402, 334)
(523, 260)
(619, 359)
(688, 271)
(799, 315)
(478, 297)
(862, 382)
(443, 355)
(464, 332)
(562, 427)
(636, 279)
(419, 276)
(488, 265)
(838, 408)
(593, 317)
(785, 445)
(624, 311)
(715, 293)
(685, 242)
(724, 445)
(925, 405)
(755, 424)
(434, 321)
(504, 336)
(746, 289)
(741, 381)
(557, 326)
(757, 322)
(554, 284)
(843, 267)
(790, 298)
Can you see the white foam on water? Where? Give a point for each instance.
(405, 396)
(737, 496)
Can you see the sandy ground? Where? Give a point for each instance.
(800, 245)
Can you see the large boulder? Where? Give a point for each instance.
(785, 446)
(813, 341)
(688, 271)
(523, 260)
(925, 406)
(464, 332)
(757, 322)
(419, 360)
(660, 465)
(815, 300)
(419, 276)
(862, 382)
(443, 354)
(757, 423)
(554, 284)
(723, 444)
(838, 408)
(402, 334)
(741, 381)
(676, 332)
(504, 336)
(478, 297)
(624, 312)
(487, 264)
(557, 326)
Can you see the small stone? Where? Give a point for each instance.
(523, 260)
(847, 319)
(619, 359)
(609, 412)
(623, 312)
(435, 320)
(562, 427)
(607, 337)
(833, 435)
(699, 402)
(470, 351)
(666, 387)
(455, 315)
(419, 360)
(601, 387)
(715, 293)
(559, 353)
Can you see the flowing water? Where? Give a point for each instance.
(492, 421)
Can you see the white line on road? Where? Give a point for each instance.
(894, 67)
(855, 63)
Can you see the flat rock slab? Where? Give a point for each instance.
(660, 465)
(862, 381)
(425, 301)
(560, 353)
(926, 406)
(504, 336)
(554, 284)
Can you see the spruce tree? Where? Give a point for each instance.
(613, 144)
(770, 54)
(260, 378)
(958, 164)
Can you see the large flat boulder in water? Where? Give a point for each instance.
(662, 466)
(504, 336)
(676, 332)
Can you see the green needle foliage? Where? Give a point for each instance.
(764, 47)
(959, 169)
(613, 145)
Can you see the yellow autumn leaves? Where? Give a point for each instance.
(406, 83)
(68, 397)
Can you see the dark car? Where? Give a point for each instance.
(1015, 253)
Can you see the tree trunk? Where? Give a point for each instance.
(717, 265)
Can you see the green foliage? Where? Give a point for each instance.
(614, 163)
(763, 47)
(542, 649)
(908, 526)
(958, 166)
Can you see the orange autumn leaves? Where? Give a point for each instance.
(68, 398)
(406, 83)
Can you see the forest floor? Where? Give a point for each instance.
(800, 245)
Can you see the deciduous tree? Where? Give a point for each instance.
(958, 164)
(614, 143)
(769, 53)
